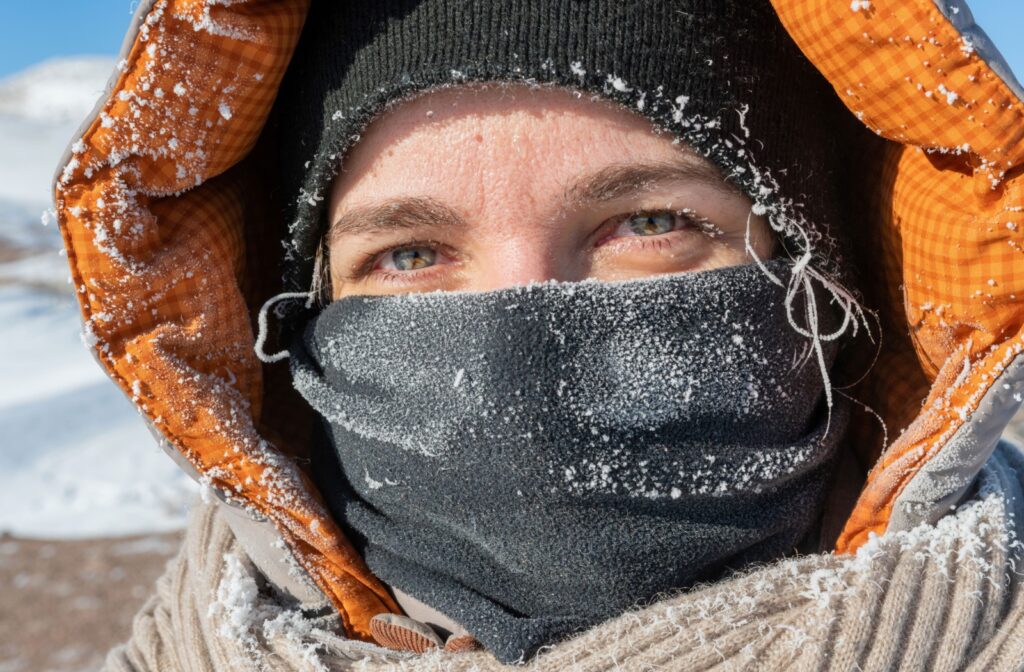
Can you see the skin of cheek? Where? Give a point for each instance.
(500, 161)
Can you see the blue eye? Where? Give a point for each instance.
(410, 258)
(649, 224)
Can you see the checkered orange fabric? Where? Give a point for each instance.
(156, 237)
(156, 260)
(950, 226)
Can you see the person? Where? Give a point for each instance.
(596, 318)
(438, 392)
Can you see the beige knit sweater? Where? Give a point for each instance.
(942, 597)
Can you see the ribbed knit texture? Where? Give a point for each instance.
(937, 598)
(721, 74)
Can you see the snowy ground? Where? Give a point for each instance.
(75, 458)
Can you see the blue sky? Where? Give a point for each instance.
(34, 30)
(1003, 20)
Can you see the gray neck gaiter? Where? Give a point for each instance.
(534, 460)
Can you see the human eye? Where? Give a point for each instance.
(648, 224)
(657, 223)
(411, 258)
(413, 262)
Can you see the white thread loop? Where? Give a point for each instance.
(261, 320)
(802, 274)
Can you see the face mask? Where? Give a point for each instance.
(534, 460)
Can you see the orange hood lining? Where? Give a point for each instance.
(155, 229)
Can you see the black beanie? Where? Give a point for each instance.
(722, 75)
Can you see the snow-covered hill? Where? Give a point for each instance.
(40, 109)
(58, 90)
(75, 458)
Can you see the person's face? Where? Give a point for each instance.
(478, 188)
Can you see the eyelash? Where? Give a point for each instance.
(368, 263)
(691, 223)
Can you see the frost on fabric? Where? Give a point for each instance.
(619, 391)
(965, 540)
(619, 471)
(144, 125)
(978, 539)
(631, 371)
(242, 614)
(278, 477)
(147, 315)
(940, 469)
(201, 16)
(141, 127)
(951, 96)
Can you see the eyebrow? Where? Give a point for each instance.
(623, 180)
(606, 184)
(396, 213)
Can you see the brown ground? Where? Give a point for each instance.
(63, 604)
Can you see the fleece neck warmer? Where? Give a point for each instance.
(534, 460)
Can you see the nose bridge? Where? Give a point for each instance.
(521, 241)
(519, 260)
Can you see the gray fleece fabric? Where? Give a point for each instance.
(535, 460)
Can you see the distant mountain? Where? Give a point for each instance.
(40, 108)
(57, 90)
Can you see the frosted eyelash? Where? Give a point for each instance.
(709, 228)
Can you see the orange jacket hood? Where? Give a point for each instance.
(169, 266)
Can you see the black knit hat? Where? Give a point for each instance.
(723, 75)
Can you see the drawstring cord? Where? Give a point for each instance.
(801, 276)
(261, 320)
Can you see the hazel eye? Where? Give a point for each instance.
(648, 224)
(409, 259)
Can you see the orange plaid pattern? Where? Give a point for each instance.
(157, 266)
(950, 226)
(153, 223)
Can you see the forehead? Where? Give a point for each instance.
(459, 139)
